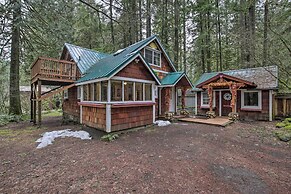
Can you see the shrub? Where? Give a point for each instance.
(280, 125)
(110, 137)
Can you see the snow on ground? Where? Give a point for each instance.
(161, 123)
(49, 137)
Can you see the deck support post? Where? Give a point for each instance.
(31, 103)
(39, 101)
(34, 103)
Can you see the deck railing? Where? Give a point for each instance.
(54, 69)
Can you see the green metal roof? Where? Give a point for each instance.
(172, 78)
(111, 63)
(84, 57)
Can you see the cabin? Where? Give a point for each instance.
(245, 94)
(111, 92)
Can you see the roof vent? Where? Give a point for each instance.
(118, 52)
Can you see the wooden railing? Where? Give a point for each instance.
(53, 69)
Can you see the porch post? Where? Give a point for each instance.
(39, 101)
(167, 99)
(210, 94)
(233, 90)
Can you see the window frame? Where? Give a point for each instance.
(256, 108)
(153, 56)
(207, 105)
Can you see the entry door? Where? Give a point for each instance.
(173, 100)
(225, 103)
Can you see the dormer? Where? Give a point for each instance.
(152, 54)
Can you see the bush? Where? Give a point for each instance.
(280, 125)
(5, 119)
(110, 137)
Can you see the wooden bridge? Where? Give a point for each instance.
(50, 72)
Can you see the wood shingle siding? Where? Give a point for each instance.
(136, 70)
(94, 117)
(129, 117)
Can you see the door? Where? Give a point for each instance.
(225, 103)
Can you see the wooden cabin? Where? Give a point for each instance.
(111, 92)
(244, 93)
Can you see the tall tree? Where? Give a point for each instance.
(176, 32)
(14, 99)
(148, 19)
(266, 25)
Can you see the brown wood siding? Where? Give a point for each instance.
(70, 105)
(129, 117)
(137, 71)
(94, 117)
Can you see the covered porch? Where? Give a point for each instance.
(168, 94)
(221, 83)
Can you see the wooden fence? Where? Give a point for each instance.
(282, 105)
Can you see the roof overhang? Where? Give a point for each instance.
(177, 81)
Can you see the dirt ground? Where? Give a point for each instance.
(180, 158)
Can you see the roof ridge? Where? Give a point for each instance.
(86, 48)
(243, 69)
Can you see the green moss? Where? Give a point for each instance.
(53, 113)
(287, 120)
(283, 134)
(288, 127)
(280, 125)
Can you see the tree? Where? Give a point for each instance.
(14, 96)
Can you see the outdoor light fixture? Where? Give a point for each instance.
(136, 60)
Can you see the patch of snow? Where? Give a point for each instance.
(161, 123)
(49, 137)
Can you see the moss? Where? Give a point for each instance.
(280, 125)
(53, 113)
(287, 120)
(288, 127)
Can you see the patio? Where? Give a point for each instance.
(217, 121)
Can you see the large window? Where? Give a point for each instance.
(116, 90)
(251, 99)
(138, 91)
(104, 86)
(152, 57)
(97, 91)
(205, 99)
(148, 92)
(128, 91)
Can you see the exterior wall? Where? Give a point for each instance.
(71, 109)
(94, 117)
(262, 114)
(129, 117)
(137, 71)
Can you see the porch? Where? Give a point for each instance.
(217, 121)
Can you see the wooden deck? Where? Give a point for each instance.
(218, 121)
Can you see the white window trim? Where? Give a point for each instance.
(154, 51)
(66, 94)
(207, 105)
(122, 79)
(259, 107)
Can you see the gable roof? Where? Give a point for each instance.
(222, 75)
(84, 57)
(173, 78)
(263, 77)
(110, 64)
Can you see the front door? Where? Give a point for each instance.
(225, 103)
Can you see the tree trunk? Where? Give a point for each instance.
(219, 36)
(266, 25)
(208, 43)
(176, 35)
(111, 24)
(148, 19)
(14, 97)
(140, 18)
(184, 37)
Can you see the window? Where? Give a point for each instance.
(251, 99)
(85, 92)
(138, 92)
(104, 86)
(91, 92)
(205, 99)
(66, 94)
(128, 91)
(116, 90)
(148, 92)
(97, 90)
(79, 92)
(152, 57)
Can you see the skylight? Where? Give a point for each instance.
(119, 51)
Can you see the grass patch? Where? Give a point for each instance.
(284, 133)
(9, 133)
(5, 119)
(52, 113)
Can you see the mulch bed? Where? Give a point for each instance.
(180, 158)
